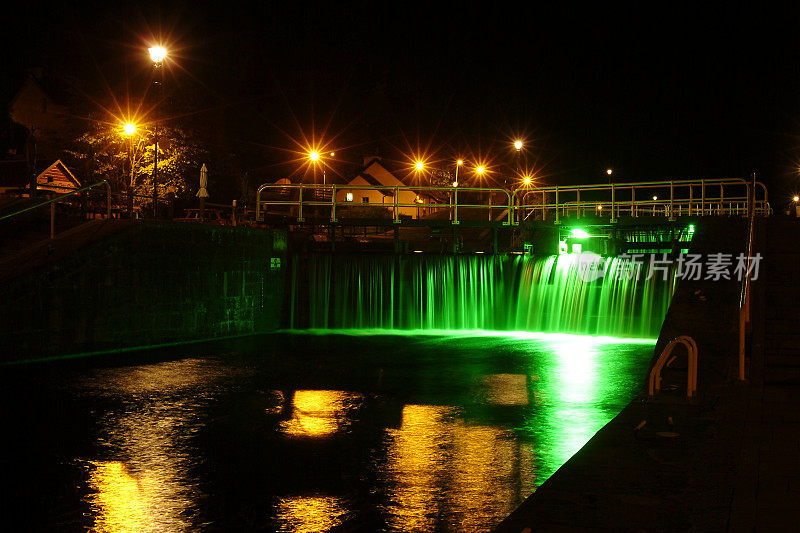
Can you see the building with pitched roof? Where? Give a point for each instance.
(379, 190)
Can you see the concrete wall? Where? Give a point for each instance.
(154, 283)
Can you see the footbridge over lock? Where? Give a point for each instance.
(492, 220)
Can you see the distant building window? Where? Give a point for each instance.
(365, 199)
(349, 197)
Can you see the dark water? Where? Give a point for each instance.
(306, 432)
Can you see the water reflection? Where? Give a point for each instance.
(319, 413)
(154, 415)
(404, 434)
(447, 473)
(124, 501)
(307, 514)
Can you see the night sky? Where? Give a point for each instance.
(653, 94)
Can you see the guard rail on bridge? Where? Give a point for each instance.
(670, 199)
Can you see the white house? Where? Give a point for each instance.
(379, 190)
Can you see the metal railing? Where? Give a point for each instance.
(744, 295)
(669, 199)
(414, 202)
(52, 202)
(666, 358)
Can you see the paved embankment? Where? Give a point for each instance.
(728, 459)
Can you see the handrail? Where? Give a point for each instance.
(744, 294)
(395, 205)
(654, 382)
(680, 200)
(61, 196)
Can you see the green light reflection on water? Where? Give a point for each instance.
(577, 383)
(444, 334)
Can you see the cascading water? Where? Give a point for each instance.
(506, 293)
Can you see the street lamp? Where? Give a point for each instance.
(129, 130)
(157, 56)
(458, 164)
(316, 158)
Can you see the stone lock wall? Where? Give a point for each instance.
(154, 283)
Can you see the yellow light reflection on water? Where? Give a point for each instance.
(306, 514)
(442, 468)
(127, 502)
(319, 413)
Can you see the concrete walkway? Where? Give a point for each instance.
(727, 460)
(734, 465)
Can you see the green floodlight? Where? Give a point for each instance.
(578, 233)
(690, 229)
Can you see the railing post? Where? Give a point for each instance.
(396, 202)
(634, 207)
(579, 204)
(455, 205)
(613, 204)
(691, 193)
(333, 204)
(702, 198)
(558, 220)
(721, 199)
(300, 206)
(671, 201)
(544, 206)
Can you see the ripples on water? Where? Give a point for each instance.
(309, 432)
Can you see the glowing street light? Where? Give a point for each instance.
(419, 165)
(317, 158)
(796, 199)
(157, 54)
(526, 180)
(128, 129)
(518, 145)
(609, 171)
(655, 198)
(479, 170)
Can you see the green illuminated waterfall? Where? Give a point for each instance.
(507, 293)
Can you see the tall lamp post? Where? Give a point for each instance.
(157, 55)
(518, 147)
(129, 130)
